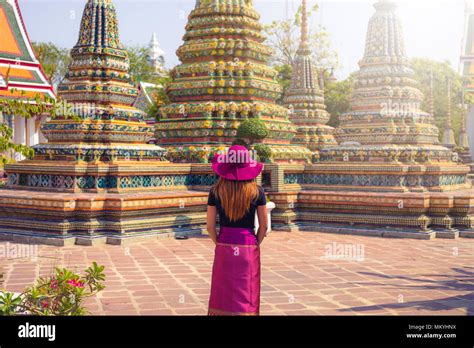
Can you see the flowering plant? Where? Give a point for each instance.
(62, 294)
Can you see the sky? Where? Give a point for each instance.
(433, 28)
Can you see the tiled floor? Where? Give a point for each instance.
(302, 274)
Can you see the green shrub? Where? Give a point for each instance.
(252, 129)
(264, 152)
(241, 142)
(60, 295)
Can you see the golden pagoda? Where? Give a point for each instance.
(224, 78)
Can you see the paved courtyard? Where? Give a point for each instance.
(302, 274)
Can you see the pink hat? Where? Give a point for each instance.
(237, 164)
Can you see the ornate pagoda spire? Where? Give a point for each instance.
(305, 96)
(448, 135)
(98, 86)
(304, 45)
(223, 78)
(432, 102)
(99, 71)
(99, 27)
(156, 55)
(386, 100)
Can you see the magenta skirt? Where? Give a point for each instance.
(235, 288)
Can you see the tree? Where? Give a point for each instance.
(284, 78)
(27, 108)
(423, 68)
(337, 97)
(252, 131)
(54, 60)
(283, 38)
(140, 68)
(160, 97)
(142, 71)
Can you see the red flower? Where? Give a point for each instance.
(75, 283)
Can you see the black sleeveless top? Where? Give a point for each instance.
(248, 221)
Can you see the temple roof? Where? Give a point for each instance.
(146, 95)
(21, 75)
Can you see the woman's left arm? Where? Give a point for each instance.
(211, 222)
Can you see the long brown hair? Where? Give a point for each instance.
(235, 196)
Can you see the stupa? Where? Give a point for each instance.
(110, 132)
(224, 78)
(97, 179)
(156, 56)
(305, 98)
(386, 130)
(389, 176)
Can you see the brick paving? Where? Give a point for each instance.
(300, 276)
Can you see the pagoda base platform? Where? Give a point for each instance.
(120, 177)
(378, 177)
(175, 203)
(422, 215)
(89, 219)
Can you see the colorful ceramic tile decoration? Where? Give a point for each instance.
(305, 98)
(97, 181)
(109, 133)
(389, 176)
(21, 75)
(386, 130)
(223, 78)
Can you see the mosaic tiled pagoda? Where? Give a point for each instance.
(103, 181)
(389, 171)
(305, 98)
(110, 132)
(386, 132)
(224, 78)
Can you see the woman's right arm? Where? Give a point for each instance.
(262, 214)
(211, 222)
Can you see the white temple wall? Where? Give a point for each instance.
(26, 133)
(32, 136)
